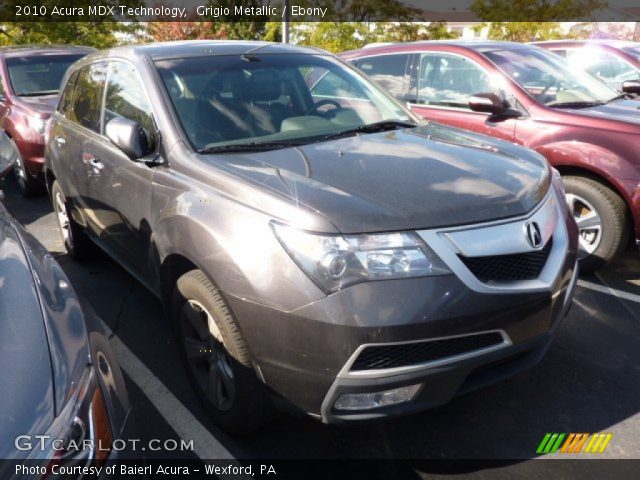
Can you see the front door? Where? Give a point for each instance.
(121, 188)
(441, 87)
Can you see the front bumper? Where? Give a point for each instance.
(304, 355)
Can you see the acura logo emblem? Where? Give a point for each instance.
(533, 234)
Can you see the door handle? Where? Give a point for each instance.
(60, 140)
(96, 164)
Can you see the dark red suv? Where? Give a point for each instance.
(528, 95)
(614, 61)
(29, 82)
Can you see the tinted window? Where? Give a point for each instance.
(87, 98)
(449, 80)
(64, 106)
(390, 71)
(127, 98)
(38, 75)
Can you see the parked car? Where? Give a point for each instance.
(614, 61)
(29, 82)
(317, 247)
(58, 374)
(525, 94)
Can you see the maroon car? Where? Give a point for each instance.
(614, 61)
(29, 82)
(528, 95)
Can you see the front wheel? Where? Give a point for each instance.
(216, 357)
(29, 185)
(601, 217)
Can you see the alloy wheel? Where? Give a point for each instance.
(63, 218)
(206, 355)
(589, 223)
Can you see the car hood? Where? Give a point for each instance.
(418, 178)
(621, 110)
(45, 104)
(27, 401)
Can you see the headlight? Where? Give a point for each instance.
(335, 261)
(556, 180)
(88, 426)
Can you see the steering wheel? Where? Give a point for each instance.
(554, 82)
(321, 103)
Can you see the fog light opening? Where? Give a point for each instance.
(369, 401)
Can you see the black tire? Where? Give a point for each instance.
(216, 357)
(585, 194)
(78, 245)
(28, 185)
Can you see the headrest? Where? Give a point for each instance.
(263, 86)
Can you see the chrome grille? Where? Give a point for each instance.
(508, 268)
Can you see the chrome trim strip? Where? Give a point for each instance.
(490, 237)
(346, 372)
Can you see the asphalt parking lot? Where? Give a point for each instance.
(589, 380)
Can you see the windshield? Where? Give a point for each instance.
(635, 51)
(272, 99)
(38, 75)
(550, 79)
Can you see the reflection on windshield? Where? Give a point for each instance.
(549, 79)
(272, 100)
(38, 75)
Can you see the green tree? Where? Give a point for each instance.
(100, 32)
(411, 32)
(334, 36)
(521, 11)
(524, 31)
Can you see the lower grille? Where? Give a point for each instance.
(509, 268)
(406, 354)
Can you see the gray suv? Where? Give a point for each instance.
(315, 245)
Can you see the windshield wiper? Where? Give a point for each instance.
(382, 126)
(576, 104)
(247, 147)
(41, 93)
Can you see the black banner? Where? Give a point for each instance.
(456, 11)
(329, 469)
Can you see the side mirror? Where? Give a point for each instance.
(128, 136)
(631, 86)
(493, 104)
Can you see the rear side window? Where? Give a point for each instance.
(64, 106)
(87, 98)
(126, 98)
(390, 71)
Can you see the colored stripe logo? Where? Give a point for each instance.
(574, 443)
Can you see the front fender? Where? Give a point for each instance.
(232, 244)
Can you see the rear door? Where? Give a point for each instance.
(391, 71)
(72, 133)
(121, 188)
(441, 89)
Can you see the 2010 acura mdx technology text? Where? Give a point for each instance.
(322, 242)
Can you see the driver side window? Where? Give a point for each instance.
(449, 80)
